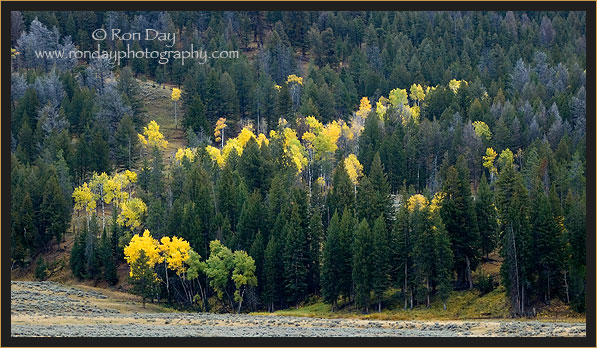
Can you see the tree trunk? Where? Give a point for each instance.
(405, 285)
(143, 301)
(469, 273)
(428, 300)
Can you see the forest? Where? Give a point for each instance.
(343, 154)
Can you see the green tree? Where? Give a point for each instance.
(512, 203)
(144, 279)
(341, 196)
(295, 270)
(331, 263)
(486, 217)
(380, 260)
(362, 250)
(194, 116)
(459, 217)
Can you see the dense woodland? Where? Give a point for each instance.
(343, 154)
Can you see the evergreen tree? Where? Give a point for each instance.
(459, 217)
(512, 203)
(380, 260)
(295, 272)
(486, 217)
(194, 116)
(144, 279)
(126, 143)
(77, 256)
(331, 262)
(107, 259)
(54, 211)
(362, 250)
(341, 196)
(314, 239)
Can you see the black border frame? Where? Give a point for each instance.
(588, 6)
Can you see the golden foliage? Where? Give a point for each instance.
(131, 212)
(416, 202)
(354, 168)
(152, 137)
(175, 94)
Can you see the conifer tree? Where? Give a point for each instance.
(486, 217)
(295, 272)
(362, 249)
(380, 260)
(331, 263)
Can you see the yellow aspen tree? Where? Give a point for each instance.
(416, 202)
(219, 131)
(488, 162)
(84, 199)
(364, 107)
(131, 212)
(175, 97)
(482, 129)
(98, 185)
(152, 136)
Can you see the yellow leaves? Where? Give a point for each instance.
(293, 147)
(146, 243)
(175, 252)
(131, 176)
(314, 124)
(417, 93)
(488, 158)
(84, 198)
(273, 134)
(293, 78)
(187, 153)
(398, 97)
(415, 112)
(436, 201)
(244, 136)
(456, 84)
(216, 155)
(364, 107)
(309, 138)
(262, 139)
(354, 168)
(220, 124)
(416, 202)
(131, 212)
(152, 137)
(482, 129)
(277, 87)
(175, 94)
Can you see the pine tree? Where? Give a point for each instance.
(512, 203)
(77, 256)
(341, 196)
(194, 116)
(271, 273)
(424, 258)
(144, 279)
(55, 214)
(401, 252)
(295, 272)
(126, 143)
(380, 260)
(107, 259)
(444, 259)
(331, 262)
(362, 250)
(486, 217)
(314, 238)
(459, 217)
(546, 242)
(249, 222)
